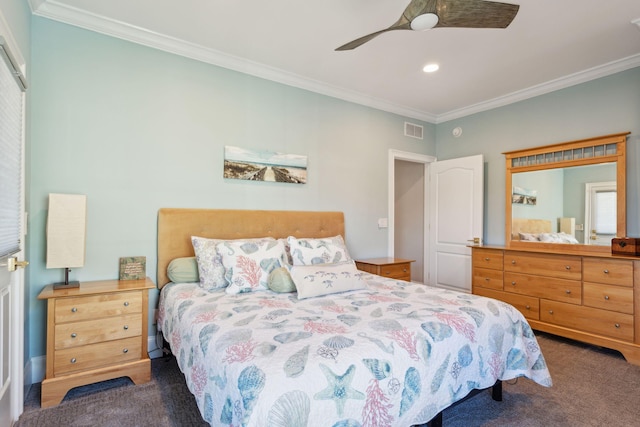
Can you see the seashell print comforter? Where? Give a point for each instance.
(394, 354)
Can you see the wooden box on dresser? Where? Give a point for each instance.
(95, 332)
(593, 298)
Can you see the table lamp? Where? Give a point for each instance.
(66, 234)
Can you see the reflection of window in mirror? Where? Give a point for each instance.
(600, 213)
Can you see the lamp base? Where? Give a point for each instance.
(66, 285)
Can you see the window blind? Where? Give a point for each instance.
(606, 209)
(11, 113)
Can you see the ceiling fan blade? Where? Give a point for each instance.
(475, 14)
(401, 24)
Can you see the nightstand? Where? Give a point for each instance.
(95, 332)
(395, 268)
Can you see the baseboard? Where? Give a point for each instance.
(36, 367)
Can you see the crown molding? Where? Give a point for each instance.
(57, 11)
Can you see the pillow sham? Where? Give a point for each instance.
(324, 279)
(280, 281)
(183, 270)
(249, 262)
(529, 237)
(328, 250)
(210, 268)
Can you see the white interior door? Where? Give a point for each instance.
(455, 218)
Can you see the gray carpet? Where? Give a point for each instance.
(592, 387)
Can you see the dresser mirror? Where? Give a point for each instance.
(569, 197)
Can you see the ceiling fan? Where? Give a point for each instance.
(426, 14)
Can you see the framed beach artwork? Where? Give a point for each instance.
(523, 196)
(263, 165)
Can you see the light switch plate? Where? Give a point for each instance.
(383, 223)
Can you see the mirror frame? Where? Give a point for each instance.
(568, 154)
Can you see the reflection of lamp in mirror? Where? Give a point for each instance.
(66, 230)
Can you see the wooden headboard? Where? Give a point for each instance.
(526, 225)
(176, 226)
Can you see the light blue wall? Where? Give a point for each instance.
(599, 107)
(137, 129)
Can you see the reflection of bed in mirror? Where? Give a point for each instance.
(541, 230)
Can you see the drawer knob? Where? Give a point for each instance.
(125, 350)
(73, 335)
(606, 297)
(126, 327)
(487, 258)
(74, 309)
(73, 360)
(487, 279)
(513, 283)
(568, 292)
(126, 303)
(567, 267)
(528, 307)
(550, 311)
(617, 325)
(606, 271)
(513, 261)
(404, 270)
(386, 272)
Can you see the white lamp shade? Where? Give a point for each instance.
(66, 230)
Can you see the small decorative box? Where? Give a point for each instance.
(625, 246)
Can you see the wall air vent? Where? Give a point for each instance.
(412, 130)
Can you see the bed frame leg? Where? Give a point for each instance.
(496, 391)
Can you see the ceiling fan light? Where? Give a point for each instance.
(426, 21)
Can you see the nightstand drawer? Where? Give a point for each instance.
(94, 331)
(97, 355)
(396, 271)
(96, 306)
(488, 258)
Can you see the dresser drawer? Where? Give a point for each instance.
(95, 331)
(562, 267)
(97, 355)
(487, 278)
(487, 258)
(564, 290)
(96, 306)
(528, 306)
(603, 322)
(611, 271)
(608, 297)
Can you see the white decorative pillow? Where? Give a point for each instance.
(328, 250)
(530, 237)
(210, 268)
(249, 262)
(324, 279)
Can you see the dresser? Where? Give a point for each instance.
(394, 268)
(593, 298)
(95, 332)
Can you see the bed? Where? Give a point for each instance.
(356, 350)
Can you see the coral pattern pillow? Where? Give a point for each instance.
(248, 263)
(324, 279)
(329, 250)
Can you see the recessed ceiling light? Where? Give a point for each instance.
(430, 68)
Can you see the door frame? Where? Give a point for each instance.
(415, 158)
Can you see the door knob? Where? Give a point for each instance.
(13, 264)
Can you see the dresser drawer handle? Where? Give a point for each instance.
(126, 327)
(73, 360)
(528, 307)
(126, 303)
(568, 292)
(606, 297)
(567, 267)
(487, 258)
(513, 283)
(617, 325)
(550, 311)
(513, 261)
(73, 335)
(74, 309)
(125, 350)
(606, 271)
(387, 272)
(487, 278)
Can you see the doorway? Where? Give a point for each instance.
(408, 198)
